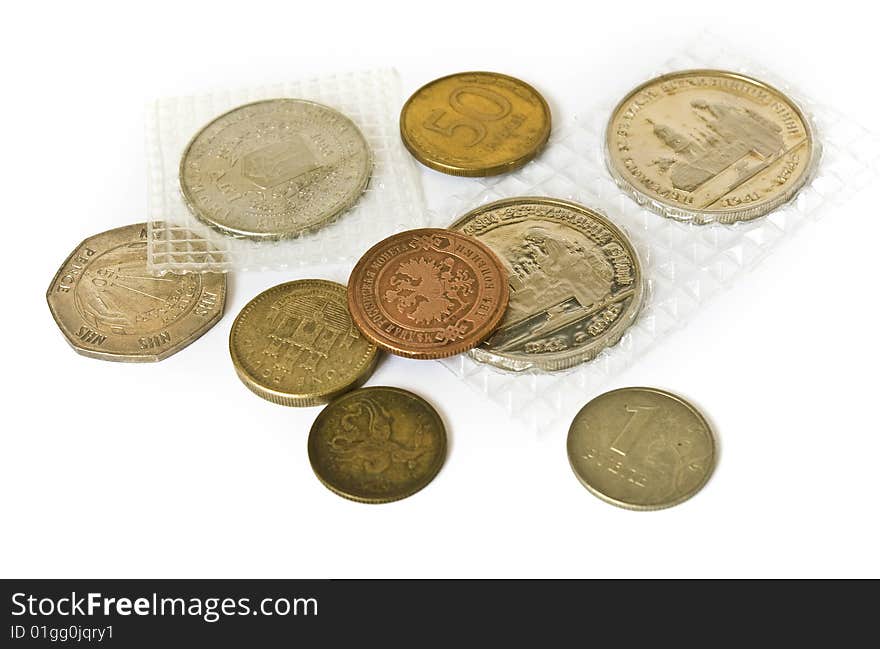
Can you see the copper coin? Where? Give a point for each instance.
(428, 293)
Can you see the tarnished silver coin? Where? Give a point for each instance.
(575, 282)
(275, 169)
(108, 306)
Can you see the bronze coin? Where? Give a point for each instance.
(376, 445)
(428, 293)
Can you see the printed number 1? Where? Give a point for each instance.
(472, 118)
(630, 432)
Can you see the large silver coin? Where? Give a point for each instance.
(275, 169)
(575, 282)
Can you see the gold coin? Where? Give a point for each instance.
(641, 448)
(376, 445)
(295, 344)
(109, 306)
(475, 124)
(709, 145)
(576, 284)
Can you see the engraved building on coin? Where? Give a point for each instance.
(576, 283)
(708, 145)
(109, 306)
(275, 169)
(295, 344)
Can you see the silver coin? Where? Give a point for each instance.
(275, 169)
(575, 282)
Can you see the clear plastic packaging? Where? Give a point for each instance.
(685, 264)
(179, 242)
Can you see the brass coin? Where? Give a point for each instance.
(576, 283)
(641, 448)
(109, 306)
(376, 445)
(475, 124)
(428, 293)
(709, 145)
(275, 169)
(296, 345)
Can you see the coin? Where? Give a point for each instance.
(641, 448)
(576, 283)
(275, 169)
(708, 145)
(376, 445)
(428, 293)
(109, 306)
(296, 345)
(475, 124)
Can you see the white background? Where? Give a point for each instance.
(176, 470)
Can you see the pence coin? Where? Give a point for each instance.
(575, 282)
(296, 345)
(109, 306)
(428, 293)
(376, 445)
(708, 145)
(475, 124)
(641, 448)
(275, 169)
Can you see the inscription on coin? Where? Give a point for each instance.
(575, 281)
(708, 145)
(376, 445)
(475, 124)
(295, 344)
(428, 293)
(275, 169)
(109, 306)
(641, 448)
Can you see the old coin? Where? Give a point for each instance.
(296, 345)
(575, 281)
(275, 169)
(428, 293)
(641, 448)
(708, 145)
(475, 124)
(376, 445)
(109, 306)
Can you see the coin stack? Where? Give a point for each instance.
(525, 284)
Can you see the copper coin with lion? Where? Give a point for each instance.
(428, 293)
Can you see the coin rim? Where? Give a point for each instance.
(286, 234)
(704, 217)
(133, 358)
(429, 476)
(584, 356)
(362, 322)
(477, 172)
(294, 399)
(634, 506)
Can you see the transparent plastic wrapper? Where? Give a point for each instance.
(180, 242)
(684, 264)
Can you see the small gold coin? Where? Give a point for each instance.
(709, 145)
(109, 306)
(641, 448)
(475, 124)
(378, 444)
(295, 344)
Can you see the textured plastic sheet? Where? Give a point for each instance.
(179, 242)
(685, 264)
